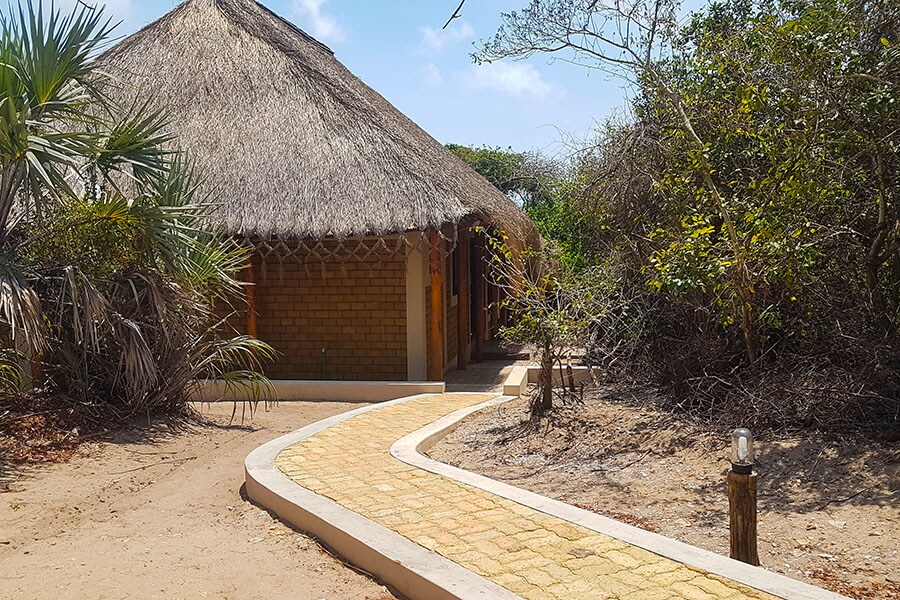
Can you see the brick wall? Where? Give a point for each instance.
(356, 311)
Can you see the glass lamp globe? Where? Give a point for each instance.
(742, 455)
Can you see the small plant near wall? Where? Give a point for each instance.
(552, 309)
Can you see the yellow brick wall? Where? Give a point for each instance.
(355, 311)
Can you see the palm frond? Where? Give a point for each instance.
(55, 58)
(138, 372)
(107, 274)
(248, 355)
(211, 262)
(134, 145)
(20, 311)
(249, 386)
(46, 63)
(12, 376)
(87, 307)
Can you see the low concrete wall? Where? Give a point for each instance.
(335, 391)
(520, 378)
(579, 373)
(516, 383)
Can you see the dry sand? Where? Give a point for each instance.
(160, 514)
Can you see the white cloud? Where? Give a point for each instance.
(514, 79)
(433, 75)
(435, 40)
(323, 27)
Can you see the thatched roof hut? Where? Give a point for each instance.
(303, 159)
(293, 145)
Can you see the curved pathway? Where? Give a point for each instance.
(515, 549)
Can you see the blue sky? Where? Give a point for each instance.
(398, 48)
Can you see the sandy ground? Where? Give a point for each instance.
(829, 509)
(160, 514)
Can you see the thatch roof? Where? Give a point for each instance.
(291, 144)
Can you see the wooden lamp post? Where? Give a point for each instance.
(742, 498)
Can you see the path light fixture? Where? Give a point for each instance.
(742, 498)
(742, 454)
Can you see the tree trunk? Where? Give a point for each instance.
(895, 283)
(543, 398)
(874, 288)
(545, 382)
(878, 254)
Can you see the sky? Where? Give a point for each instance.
(398, 48)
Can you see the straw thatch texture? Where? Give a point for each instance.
(291, 144)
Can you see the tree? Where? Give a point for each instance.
(738, 100)
(552, 304)
(630, 38)
(545, 188)
(805, 136)
(502, 168)
(780, 117)
(107, 276)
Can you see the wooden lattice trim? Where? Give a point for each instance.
(372, 252)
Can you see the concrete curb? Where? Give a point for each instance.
(291, 390)
(409, 568)
(410, 448)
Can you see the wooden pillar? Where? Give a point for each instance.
(463, 302)
(742, 517)
(478, 308)
(436, 367)
(250, 289)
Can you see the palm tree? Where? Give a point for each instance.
(108, 278)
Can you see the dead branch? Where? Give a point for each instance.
(156, 464)
(455, 15)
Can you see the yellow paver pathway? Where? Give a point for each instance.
(528, 552)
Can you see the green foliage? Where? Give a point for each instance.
(795, 101)
(544, 189)
(107, 275)
(97, 236)
(503, 168)
(12, 377)
(45, 80)
(753, 201)
(554, 306)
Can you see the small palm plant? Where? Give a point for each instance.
(108, 280)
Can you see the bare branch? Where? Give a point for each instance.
(456, 14)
